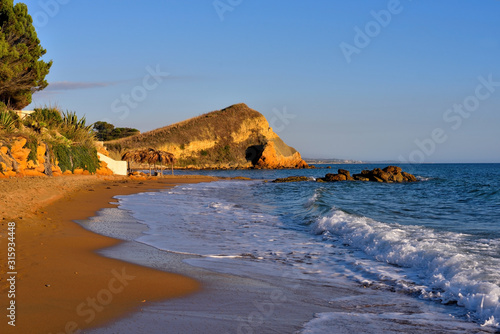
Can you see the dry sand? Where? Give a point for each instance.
(61, 284)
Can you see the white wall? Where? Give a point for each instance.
(118, 167)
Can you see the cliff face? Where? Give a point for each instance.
(234, 137)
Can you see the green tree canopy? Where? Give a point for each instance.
(22, 72)
(105, 131)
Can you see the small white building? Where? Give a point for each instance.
(117, 167)
(23, 113)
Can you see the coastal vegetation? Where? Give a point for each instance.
(105, 131)
(47, 141)
(22, 71)
(67, 141)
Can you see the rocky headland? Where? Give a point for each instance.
(230, 138)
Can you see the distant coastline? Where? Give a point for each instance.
(333, 161)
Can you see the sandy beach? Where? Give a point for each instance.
(71, 280)
(61, 284)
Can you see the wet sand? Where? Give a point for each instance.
(62, 284)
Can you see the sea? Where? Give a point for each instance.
(436, 240)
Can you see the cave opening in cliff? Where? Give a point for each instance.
(253, 153)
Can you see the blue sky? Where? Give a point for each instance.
(415, 81)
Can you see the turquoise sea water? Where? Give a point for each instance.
(437, 239)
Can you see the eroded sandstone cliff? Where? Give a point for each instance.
(234, 137)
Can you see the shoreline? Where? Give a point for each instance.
(230, 301)
(245, 296)
(62, 283)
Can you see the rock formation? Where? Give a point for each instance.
(389, 174)
(292, 179)
(234, 137)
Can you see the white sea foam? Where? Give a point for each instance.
(384, 323)
(443, 266)
(423, 178)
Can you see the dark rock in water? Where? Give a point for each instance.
(360, 177)
(398, 177)
(379, 174)
(409, 177)
(292, 179)
(335, 177)
(392, 169)
(387, 175)
(346, 173)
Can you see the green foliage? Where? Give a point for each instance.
(6, 121)
(22, 72)
(70, 119)
(76, 129)
(62, 153)
(105, 131)
(118, 133)
(46, 117)
(17, 120)
(85, 157)
(78, 156)
(102, 130)
(70, 141)
(66, 124)
(32, 144)
(204, 153)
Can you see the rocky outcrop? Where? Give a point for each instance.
(234, 137)
(271, 158)
(16, 160)
(292, 179)
(390, 174)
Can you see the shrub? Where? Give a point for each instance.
(32, 144)
(78, 156)
(46, 117)
(6, 121)
(76, 130)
